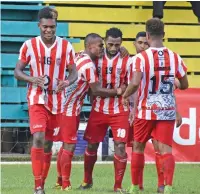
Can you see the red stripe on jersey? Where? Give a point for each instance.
(122, 76)
(113, 83)
(176, 63)
(81, 99)
(138, 64)
(51, 73)
(71, 58)
(61, 74)
(156, 73)
(167, 64)
(23, 54)
(104, 80)
(83, 63)
(146, 87)
(42, 54)
(35, 50)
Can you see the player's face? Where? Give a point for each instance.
(96, 47)
(113, 45)
(141, 44)
(47, 28)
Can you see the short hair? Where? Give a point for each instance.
(114, 33)
(48, 13)
(155, 27)
(140, 34)
(91, 36)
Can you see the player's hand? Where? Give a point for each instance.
(62, 84)
(39, 81)
(123, 52)
(178, 119)
(123, 87)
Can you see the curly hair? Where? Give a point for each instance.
(155, 27)
(114, 33)
(48, 13)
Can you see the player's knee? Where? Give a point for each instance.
(92, 147)
(120, 149)
(70, 147)
(48, 146)
(138, 147)
(38, 139)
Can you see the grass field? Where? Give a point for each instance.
(17, 179)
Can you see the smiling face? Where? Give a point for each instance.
(47, 28)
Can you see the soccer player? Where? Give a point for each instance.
(87, 78)
(154, 74)
(113, 71)
(141, 44)
(48, 57)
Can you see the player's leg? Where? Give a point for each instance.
(158, 160)
(52, 133)
(69, 130)
(47, 160)
(58, 184)
(164, 136)
(120, 128)
(94, 134)
(38, 121)
(142, 133)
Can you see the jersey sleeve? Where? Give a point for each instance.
(70, 54)
(129, 71)
(138, 64)
(24, 55)
(90, 73)
(181, 69)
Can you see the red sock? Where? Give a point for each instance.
(159, 168)
(66, 165)
(89, 160)
(141, 179)
(37, 156)
(120, 167)
(46, 166)
(59, 179)
(168, 168)
(137, 166)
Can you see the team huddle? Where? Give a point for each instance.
(134, 96)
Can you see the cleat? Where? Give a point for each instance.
(120, 190)
(168, 189)
(161, 189)
(39, 190)
(84, 186)
(134, 189)
(57, 186)
(69, 188)
(141, 189)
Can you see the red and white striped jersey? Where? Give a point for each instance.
(112, 73)
(75, 93)
(160, 66)
(50, 62)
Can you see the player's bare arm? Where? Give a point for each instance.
(73, 76)
(97, 90)
(20, 75)
(133, 86)
(183, 82)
